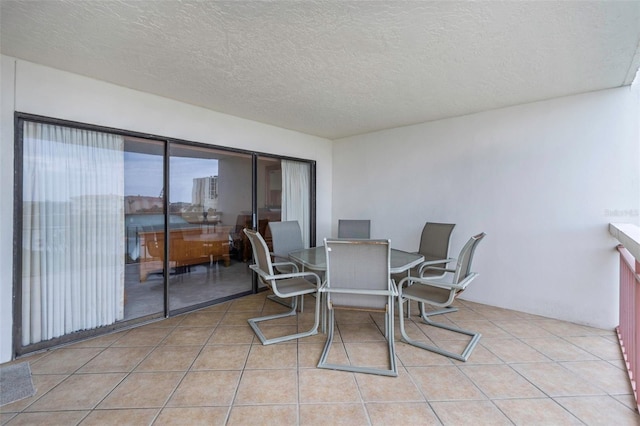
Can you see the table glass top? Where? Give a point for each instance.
(315, 258)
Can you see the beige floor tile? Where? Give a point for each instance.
(444, 383)
(138, 416)
(510, 350)
(273, 356)
(78, 392)
(193, 416)
(559, 349)
(322, 386)
(100, 341)
(268, 387)
(309, 354)
(272, 331)
(142, 390)
(524, 329)
(600, 410)
(364, 332)
(488, 329)
(566, 329)
(229, 335)
(43, 384)
(500, 381)
(438, 334)
(368, 354)
(602, 374)
(555, 380)
(333, 414)
(412, 356)
(376, 388)
(5, 417)
(114, 360)
(222, 307)
(61, 418)
(184, 336)
(64, 360)
(169, 358)
(628, 400)
(202, 319)
(237, 318)
(144, 336)
(401, 413)
(233, 379)
(252, 303)
(598, 346)
(472, 413)
(206, 388)
(479, 356)
(536, 412)
(222, 357)
(352, 317)
(275, 415)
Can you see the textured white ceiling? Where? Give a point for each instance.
(337, 68)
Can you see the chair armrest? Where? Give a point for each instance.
(439, 283)
(293, 265)
(276, 277)
(429, 263)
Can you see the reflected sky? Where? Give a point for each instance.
(143, 175)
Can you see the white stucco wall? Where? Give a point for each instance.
(52, 93)
(543, 180)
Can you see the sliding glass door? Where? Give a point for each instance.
(118, 228)
(209, 204)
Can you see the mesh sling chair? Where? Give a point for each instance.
(285, 238)
(292, 285)
(354, 228)
(438, 292)
(434, 246)
(358, 278)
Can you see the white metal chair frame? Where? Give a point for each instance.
(292, 285)
(328, 291)
(423, 290)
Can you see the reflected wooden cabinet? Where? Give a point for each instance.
(187, 247)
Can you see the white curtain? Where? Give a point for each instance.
(295, 195)
(73, 231)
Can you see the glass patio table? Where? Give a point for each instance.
(314, 258)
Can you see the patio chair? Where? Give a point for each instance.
(354, 228)
(286, 237)
(434, 246)
(358, 278)
(292, 285)
(441, 293)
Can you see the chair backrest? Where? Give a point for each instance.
(354, 228)
(286, 237)
(434, 242)
(261, 255)
(361, 265)
(463, 266)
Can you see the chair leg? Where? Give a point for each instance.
(253, 322)
(392, 371)
(475, 337)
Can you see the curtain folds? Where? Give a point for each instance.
(295, 195)
(73, 231)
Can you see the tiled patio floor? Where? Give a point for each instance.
(207, 367)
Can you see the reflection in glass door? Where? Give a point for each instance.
(209, 203)
(144, 227)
